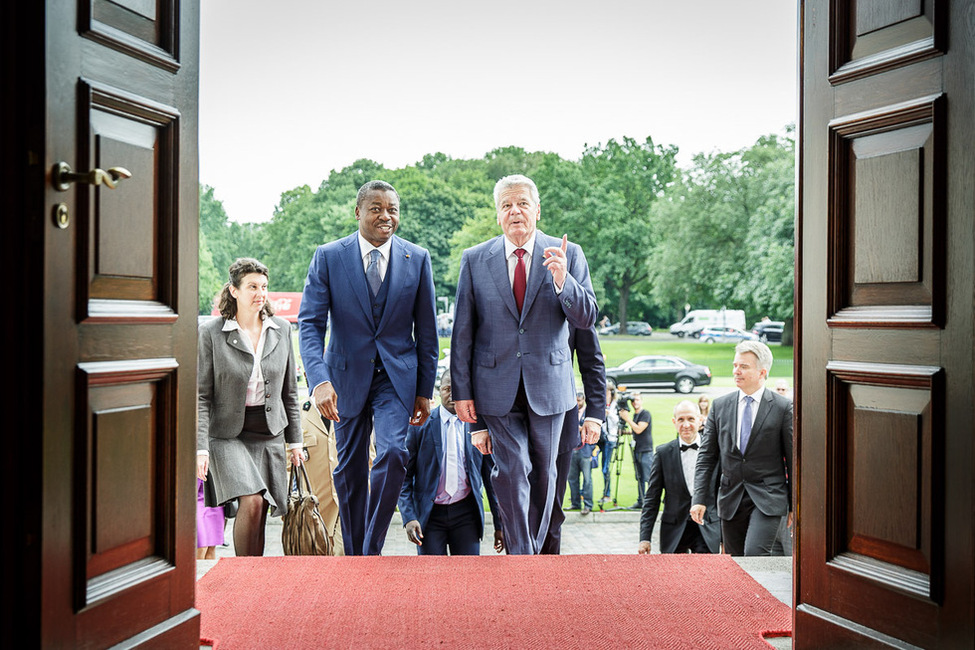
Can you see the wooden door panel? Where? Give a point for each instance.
(125, 460)
(887, 216)
(144, 29)
(128, 251)
(871, 36)
(885, 430)
(885, 337)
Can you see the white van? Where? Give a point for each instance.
(697, 319)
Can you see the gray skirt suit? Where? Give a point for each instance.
(247, 444)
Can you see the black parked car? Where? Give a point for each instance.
(658, 371)
(769, 331)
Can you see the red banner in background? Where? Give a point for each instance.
(284, 303)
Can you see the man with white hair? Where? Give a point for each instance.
(748, 437)
(517, 296)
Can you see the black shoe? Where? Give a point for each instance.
(571, 508)
(636, 506)
(585, 511)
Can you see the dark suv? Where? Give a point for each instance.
(769, 331)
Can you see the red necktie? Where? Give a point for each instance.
(520, 282)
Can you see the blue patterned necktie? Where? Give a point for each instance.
(372, 272)
(746, 423)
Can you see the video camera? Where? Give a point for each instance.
(624, 399)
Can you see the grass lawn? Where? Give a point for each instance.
(660, 403)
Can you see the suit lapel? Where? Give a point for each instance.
(352, 261)
(732, 406)
(437, 430)
(398, 273)
(763, 410)
(236, 340)
(538, 272)
(498, 269)
(676, 462)
(271, 338)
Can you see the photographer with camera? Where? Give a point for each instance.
(641, 428)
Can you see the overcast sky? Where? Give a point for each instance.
(292, 89)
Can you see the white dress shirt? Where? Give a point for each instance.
(255, 385)
(509, 255)
(452, 433)
(365, 248)
(688, 461)
(757, 396)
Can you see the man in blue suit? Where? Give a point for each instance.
(517, 295)
(376, 293)
(441, 500)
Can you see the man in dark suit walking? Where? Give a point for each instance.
(673, 470)
(592, 368)
(748, 437)
(510, 360)
(441, 500)
(375, 291)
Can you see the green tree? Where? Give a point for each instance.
(727, 232)
(479, 227)
(625, 179)
(210, 282)
(431, 211)
(224, 241)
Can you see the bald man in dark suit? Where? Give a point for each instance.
(673, 475)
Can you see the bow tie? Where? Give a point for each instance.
(693, 445)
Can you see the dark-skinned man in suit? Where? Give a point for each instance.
(442, 509)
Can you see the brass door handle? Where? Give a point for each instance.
(63, 176)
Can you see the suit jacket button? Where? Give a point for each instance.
(521, 331)
(518, 354)
(267, 408)
(267, 396)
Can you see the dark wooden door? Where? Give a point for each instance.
(105, 554)
(885, 330)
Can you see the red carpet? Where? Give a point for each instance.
(569, 601)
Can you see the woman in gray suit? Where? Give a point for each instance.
(248, 398)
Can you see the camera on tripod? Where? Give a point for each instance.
(624, 399)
